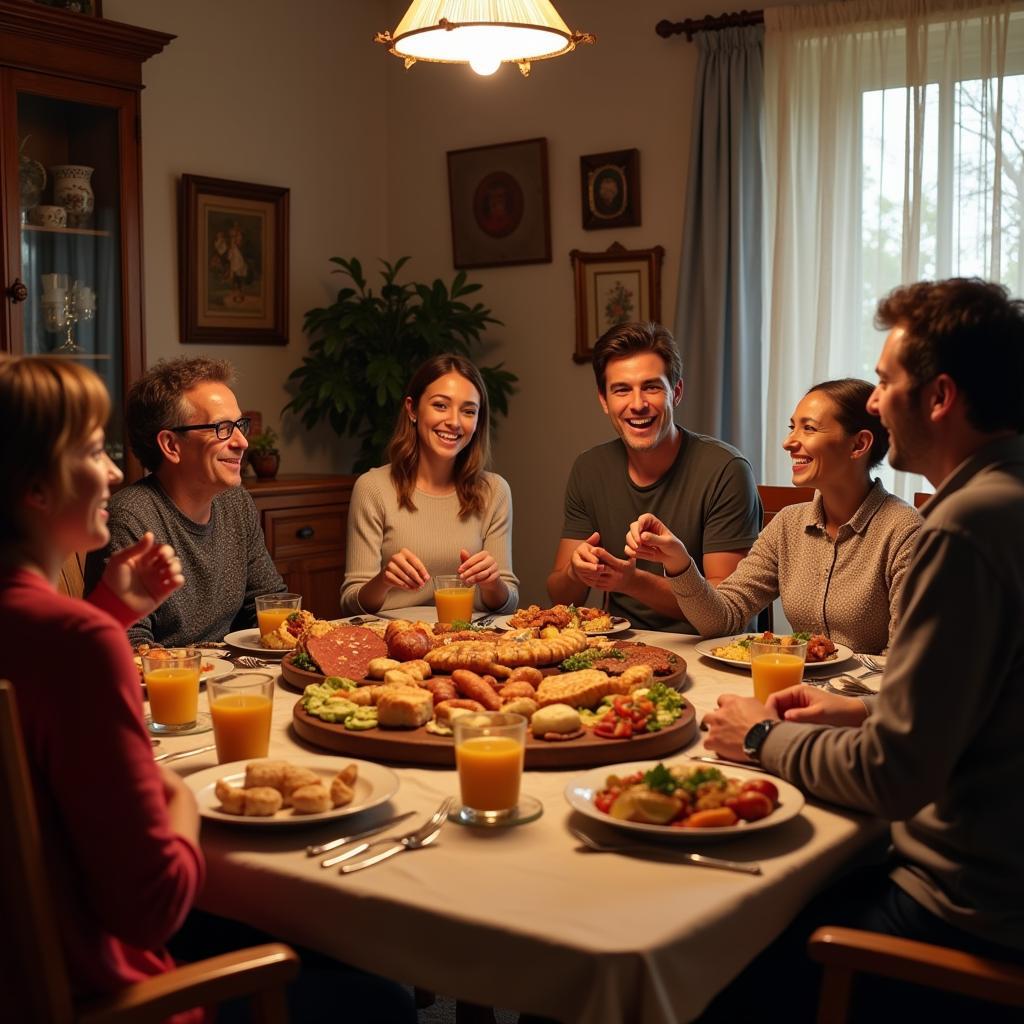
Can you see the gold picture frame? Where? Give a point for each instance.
(613, 287)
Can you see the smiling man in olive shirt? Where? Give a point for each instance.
(939, 752)
(701, 486)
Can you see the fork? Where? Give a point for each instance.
(690, 858)
(248, 661)
(485, 620)
(423, 836)
(844, 684)
(868, 662)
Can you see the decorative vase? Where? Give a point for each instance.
(72, 190)
(48, 216)
(264, 464)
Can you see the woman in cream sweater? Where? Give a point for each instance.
(433, 509)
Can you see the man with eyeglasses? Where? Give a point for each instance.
(184, 425)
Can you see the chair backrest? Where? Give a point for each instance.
(38, 982)
(72, 576)
(920, 497)
(775, 499)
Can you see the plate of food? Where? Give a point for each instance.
(593, 621)
(659, 800)
(249, 640)
(308, 790)
(735, 650)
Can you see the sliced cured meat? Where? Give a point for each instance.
(346, 651)
(661, 662)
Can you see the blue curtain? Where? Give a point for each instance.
(718, 317)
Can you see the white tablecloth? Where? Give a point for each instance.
(519, 917)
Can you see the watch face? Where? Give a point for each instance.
(757, 735)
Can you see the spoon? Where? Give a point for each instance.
(690, 858)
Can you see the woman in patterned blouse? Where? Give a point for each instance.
(837, 562)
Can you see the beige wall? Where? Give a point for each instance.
(295, 94)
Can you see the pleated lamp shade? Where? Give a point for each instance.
(481, 33)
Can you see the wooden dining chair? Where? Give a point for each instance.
(845, 952)
(72, 576)
(920, 497)
(773, 501)
(33, 972)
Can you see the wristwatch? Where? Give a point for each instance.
(756, 735)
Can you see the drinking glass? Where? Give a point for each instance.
(172, 685)
(453, 599)
(273, 609)
(776, 666)
(241, 706)
(489, 750)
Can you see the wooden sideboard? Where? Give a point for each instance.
(305, 518)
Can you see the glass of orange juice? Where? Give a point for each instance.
(273, 609)
(489, 752)
(241, 706)
(776, 666)
(172, 685)
(453, 599)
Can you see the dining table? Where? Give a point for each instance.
(526, 917)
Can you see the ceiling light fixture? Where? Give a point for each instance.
(481, 33)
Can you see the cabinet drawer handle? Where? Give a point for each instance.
(305, 533)
(17, 292)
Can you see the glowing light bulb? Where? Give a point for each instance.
(485, 64)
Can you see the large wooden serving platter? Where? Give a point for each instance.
(417, 746)
(298, 678)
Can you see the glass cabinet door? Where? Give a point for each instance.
(70, 229)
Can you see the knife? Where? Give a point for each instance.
(184, 753)
(315, 851)
(732, 764)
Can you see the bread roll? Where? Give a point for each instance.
(555, 718)
(399, 708)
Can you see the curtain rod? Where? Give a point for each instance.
(712, 23)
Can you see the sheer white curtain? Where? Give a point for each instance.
(893, 152)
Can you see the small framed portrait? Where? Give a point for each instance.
(610, 187)
(233, 262)
(499, 204)
(614, 287)
(92, 8)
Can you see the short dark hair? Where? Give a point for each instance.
(971, 330)
(157, 401)
(628, 339)
(850, 397)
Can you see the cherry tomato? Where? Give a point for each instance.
(751, 805)
(604, 800)
(769, 789)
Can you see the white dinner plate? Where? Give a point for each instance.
(581, 792)
(705, 647)
(619, 625)
(374, 785)
(218, 669)
(249, 640)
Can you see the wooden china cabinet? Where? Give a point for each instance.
(305, 518)
(70, 193)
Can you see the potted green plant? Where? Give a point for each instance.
(365, 347)
(263, 454)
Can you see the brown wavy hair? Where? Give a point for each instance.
(49, 405)
(404, 449)
(630, 339)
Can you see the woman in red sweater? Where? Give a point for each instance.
(121, 834)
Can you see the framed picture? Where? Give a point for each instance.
(610, 189)
(499, 204)
(614, 287)
(233, 262)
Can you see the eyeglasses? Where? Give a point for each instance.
(224, 429)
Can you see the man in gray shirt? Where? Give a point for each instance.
(185, 427)
(701, 486)
(938, 752)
